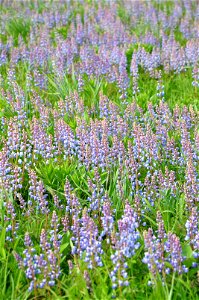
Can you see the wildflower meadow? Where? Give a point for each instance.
(99, 149)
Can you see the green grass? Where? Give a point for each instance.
(17, 27)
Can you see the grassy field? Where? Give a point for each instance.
(99, 150)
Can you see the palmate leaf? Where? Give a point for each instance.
(54, 174)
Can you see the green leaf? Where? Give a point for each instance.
(2, 243)
(187, 251)
(63, 247)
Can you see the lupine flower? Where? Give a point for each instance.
(107, 221)
(195, 75)
(126, 244)
(73, 205)
(134, 72)
(89, 242)
(160, 88)
(11, 222)
(41, 269)
(192, 229)
(174, 250)
(161, 250)
(37, 196)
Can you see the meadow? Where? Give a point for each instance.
(99, 150)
